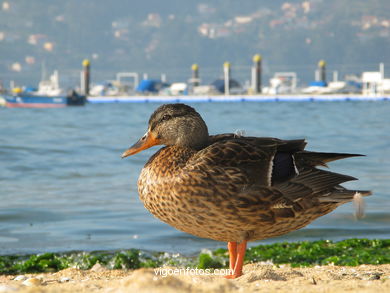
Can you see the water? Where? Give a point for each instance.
(63, 185)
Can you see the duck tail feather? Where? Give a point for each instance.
(306, 159)
(343, 195)
(312, 182)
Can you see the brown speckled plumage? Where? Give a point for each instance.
(233, 188)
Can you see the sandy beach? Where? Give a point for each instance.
(257, 277)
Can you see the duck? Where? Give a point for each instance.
(230, 187)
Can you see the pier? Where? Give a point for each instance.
(235, 98)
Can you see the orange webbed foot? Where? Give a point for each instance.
(230, 277)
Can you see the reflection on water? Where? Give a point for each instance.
(64, 186)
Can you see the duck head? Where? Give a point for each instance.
(173, 124)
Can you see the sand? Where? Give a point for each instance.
(257, 277)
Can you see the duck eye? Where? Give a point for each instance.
(166, 117)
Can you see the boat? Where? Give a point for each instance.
(48, 95)
(2, 101)
(282, 83)
(28, 100)
(125, 84)
(333, 87)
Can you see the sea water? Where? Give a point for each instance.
(64, 186)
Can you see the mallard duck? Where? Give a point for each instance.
(233, 188)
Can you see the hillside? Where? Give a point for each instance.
(168, 36)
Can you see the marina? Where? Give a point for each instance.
(128, 87)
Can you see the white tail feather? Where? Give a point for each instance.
(239, 133)
(358, 202)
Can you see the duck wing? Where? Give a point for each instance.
(264, 179)
(252, 161)
(282, 145)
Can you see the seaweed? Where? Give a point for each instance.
(350, 252)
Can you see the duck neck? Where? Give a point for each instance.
(193, 135)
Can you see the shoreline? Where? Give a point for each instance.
(258, 277)
(349, 252)
(357, 265)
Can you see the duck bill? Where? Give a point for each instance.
(145, 142)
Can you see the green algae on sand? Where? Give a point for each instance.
(350, 252)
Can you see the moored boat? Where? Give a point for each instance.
(48, 95)
(27, 100)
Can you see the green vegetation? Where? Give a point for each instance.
(351, 252)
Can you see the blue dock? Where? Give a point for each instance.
(235, 98)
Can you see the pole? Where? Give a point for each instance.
(195, 75)
(382, 69)
(87, 76)
(335, 75)
(256, 74)
(322, 70)
(226, 74)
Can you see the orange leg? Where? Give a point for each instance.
(237, 271)
(232, 247)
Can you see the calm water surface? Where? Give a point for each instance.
(63, 185)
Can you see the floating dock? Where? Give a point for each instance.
(235, 98)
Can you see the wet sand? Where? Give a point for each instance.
(257, 278)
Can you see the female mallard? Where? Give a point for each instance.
(233, 188)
